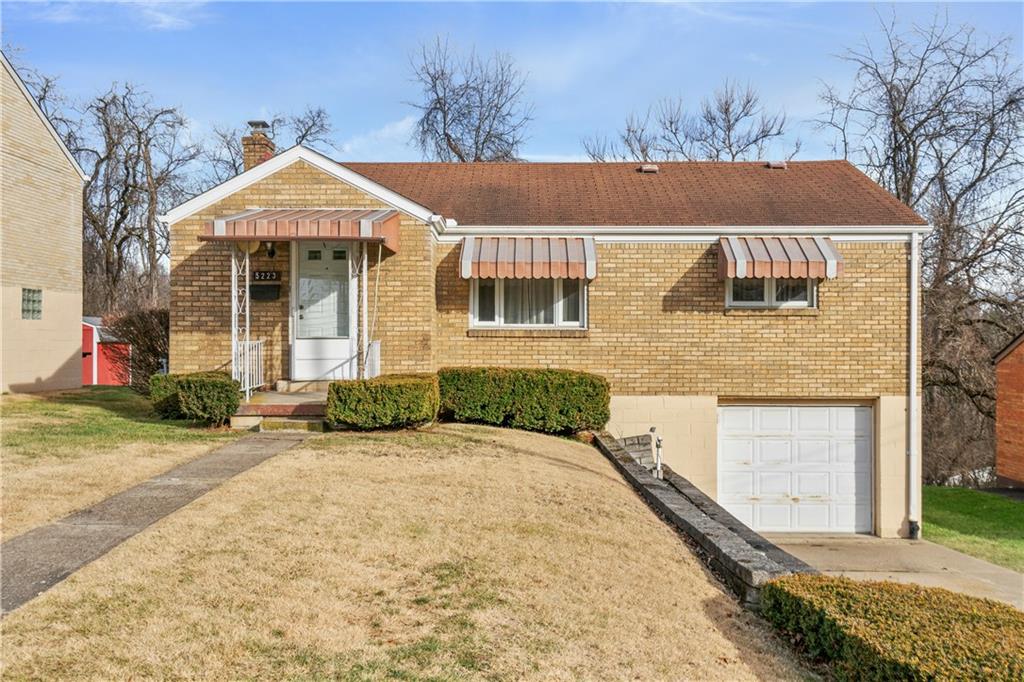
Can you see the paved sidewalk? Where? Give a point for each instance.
(865, 557)
(35, 561)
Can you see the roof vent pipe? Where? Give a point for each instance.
(648, 168)
(780, 165)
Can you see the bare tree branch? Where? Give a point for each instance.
(936, 115)
(731, 125)
(471, 109)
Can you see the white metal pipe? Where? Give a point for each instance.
(364, 304)
(248, 349)
(913, 446)
(234, 312)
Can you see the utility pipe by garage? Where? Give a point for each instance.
(913, 437)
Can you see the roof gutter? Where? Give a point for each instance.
(452, 229)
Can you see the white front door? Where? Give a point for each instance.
(323, 312)
(796, 468)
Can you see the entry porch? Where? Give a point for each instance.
(306, 270)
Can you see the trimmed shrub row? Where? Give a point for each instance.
(547, 400)
(890, 631)
(207, 397)
(389, 401)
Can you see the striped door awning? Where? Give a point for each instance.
(785, 257)
(328, 224)
(528, 258)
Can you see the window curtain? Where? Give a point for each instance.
(529, 301)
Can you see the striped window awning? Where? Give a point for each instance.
(340, 224)
(528, 258)
(785, 257)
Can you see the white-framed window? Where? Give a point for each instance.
(528, 303)
(768, 292)
(31, 304)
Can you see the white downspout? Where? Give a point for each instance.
(363, 305)
(913, 448)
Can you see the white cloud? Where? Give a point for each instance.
(756, 58)
(390, 141)
(157, 15)
(169, 16)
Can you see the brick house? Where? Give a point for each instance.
(1009, 364)
(41, 278)
(758, 315)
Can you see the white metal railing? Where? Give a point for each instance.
(247, 366)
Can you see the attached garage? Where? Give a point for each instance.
(796, 468)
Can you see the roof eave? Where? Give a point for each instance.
(285, 159)
(46, 121)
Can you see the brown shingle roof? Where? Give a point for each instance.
(680, 193)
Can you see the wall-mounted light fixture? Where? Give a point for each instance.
(271, 251)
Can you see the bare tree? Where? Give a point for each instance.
(471, 109)
(936, 115)
(222, 152)
(731, 125)
(137, 158)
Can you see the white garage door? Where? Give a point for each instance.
(798, 469)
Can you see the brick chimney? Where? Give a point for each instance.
(256, 146)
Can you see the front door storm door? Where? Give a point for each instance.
(323, 312)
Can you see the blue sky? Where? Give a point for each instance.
(589, 64)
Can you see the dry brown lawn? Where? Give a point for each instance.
(61, 452)
(458, 552)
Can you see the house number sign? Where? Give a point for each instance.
(266, 275)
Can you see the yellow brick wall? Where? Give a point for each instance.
(40, 248)
(657, 326)
(201, 281)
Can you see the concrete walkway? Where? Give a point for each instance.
(35, 561)
(865, 557)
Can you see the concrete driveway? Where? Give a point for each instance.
(866, 557)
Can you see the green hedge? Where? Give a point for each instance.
(389, 401)
(889, 631)
(208, 397)
(163, 393)
(547, 400)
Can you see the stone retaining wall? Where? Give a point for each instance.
(745, 560)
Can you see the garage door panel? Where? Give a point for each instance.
(774, 419)
(737, 420)
(852, 485)
(774, 483)
(774, 516)
(813, 484)
(737, 483)
(852, 451)
(813, 517)
(851, 420)
(737, 451)
(810, 419)
(774, 451)
(813, 452)
(743, 512)
(855, 515)
(797, 468)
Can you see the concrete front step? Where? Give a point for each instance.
(286, 386)
(292, 424)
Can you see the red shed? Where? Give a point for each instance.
(1010, 413)
(99, 350)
